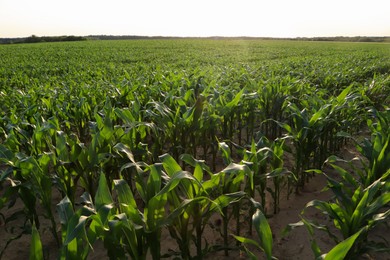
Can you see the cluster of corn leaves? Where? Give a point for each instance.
(361, 196)
(70, 112)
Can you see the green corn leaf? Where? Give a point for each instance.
(170, 165)
(153, 185)
(103, 195)
(4, 175)
(189, 159)
(244, 240)
(154, 212)
(124, 149)
(315, 248)
(247, 241)
(197, 112)
(198, 173)
(235, 175)
(36, 252)
(233, 103)
(6, 155)
(286, 127)
(65, 210)
(377, 146)
(225, 199)
(341, 97)
(126, 201)
(175, 180)
(124, 193)
(264, 232)
(226, 154)
(181, 208)
(335, 212)
(315, 117)
(75, 228)
(213, 183)
(108, 130)
(235, 168)
(123, 225)
(357, 220)
(357, 196)
(381, 159)
(61, 146)
(378, 203)
(125, 115)
(341, 249)
(310, 228)
(278, 172)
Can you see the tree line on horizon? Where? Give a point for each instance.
(38, 39)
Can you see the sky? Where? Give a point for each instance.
(261, 18)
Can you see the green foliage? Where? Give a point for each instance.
(127, 122)
(36, 252)
(360, 201)
(264, 233)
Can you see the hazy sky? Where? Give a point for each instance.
(272, 18)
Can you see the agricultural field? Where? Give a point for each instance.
(112, 149)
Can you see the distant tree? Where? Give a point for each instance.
(32, 39)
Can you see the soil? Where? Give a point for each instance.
(294, 245)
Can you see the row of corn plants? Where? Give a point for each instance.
(67, 156)
(361, 197)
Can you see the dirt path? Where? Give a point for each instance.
(296, 245)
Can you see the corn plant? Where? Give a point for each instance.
(226, 109)
(354, 214)
(258, 157)
(75, 243)
(233, 177)
(277, 172)
(313, 133)
(207, 200)
(272, 101)
(301, 132)
(376, 150)
(32, 183)
(358, 207)
(248, 117)
(264, 234)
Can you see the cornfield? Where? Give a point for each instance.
(143, 137)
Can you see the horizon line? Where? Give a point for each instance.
(211, 36)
